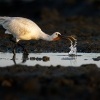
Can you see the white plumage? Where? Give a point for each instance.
(25, 29)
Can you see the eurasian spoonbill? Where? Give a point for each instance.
(25, 29)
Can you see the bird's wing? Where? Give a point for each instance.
(20, 26)
(4, 19)
(7, 32)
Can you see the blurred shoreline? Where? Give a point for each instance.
(34, 8)
(60, 83)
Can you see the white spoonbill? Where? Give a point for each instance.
(25, 29)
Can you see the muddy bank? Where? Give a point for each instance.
(56, 83)
(85, 28)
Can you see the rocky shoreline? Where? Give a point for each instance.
(41, 83)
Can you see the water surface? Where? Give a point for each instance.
(54, 59)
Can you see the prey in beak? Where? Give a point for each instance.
(72, 37)
(59, 36)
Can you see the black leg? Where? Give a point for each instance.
(24, 58)
(12, 40)
(14, 59)
(17, 43)
(24, 49)
(14, 49)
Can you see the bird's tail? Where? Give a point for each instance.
(3, 19)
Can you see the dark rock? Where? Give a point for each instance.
(36, 82)
(46, 58)
(6, 83)
(96, 59)
(38, 59)
(32, 58)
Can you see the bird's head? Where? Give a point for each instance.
(56, 36)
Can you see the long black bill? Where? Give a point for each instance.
(61, 36)
(72, 37)
(68, 37)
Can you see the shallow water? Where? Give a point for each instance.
(54, 59)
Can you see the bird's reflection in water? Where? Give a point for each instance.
(14, 59)
(25, 58)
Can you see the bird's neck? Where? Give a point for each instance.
(46, 37)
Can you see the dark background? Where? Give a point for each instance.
(37, 8)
